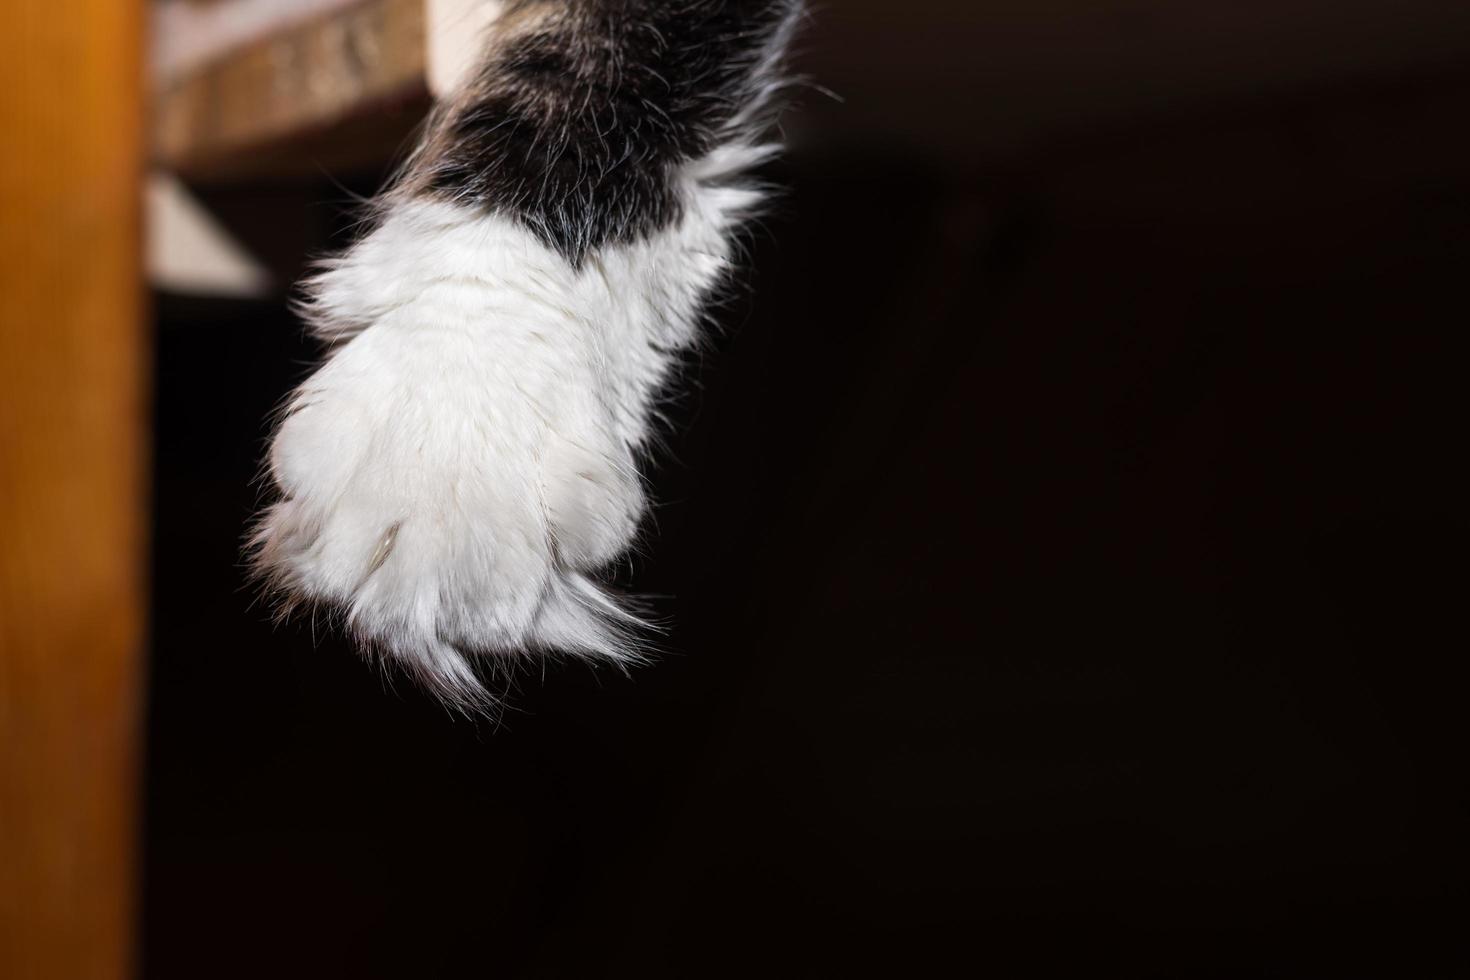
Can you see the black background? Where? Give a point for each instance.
(1066, 557)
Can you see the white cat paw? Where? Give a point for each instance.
(449, 485)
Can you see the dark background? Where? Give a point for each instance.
(1065, 543)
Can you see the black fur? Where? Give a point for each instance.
(576, 124)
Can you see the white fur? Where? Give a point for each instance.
(464, 463)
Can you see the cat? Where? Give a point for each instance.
(454, 478)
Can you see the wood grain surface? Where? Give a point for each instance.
(73, 466)
(306, 98)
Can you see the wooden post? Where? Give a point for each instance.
(73, 464)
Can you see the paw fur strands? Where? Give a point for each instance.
(463, 466)
(576, 619)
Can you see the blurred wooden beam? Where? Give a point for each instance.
(339, 90)
(73, 464)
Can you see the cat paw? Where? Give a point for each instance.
(450, 486)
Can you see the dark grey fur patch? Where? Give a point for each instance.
(583, 108)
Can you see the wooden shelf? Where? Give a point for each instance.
(342, 90)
